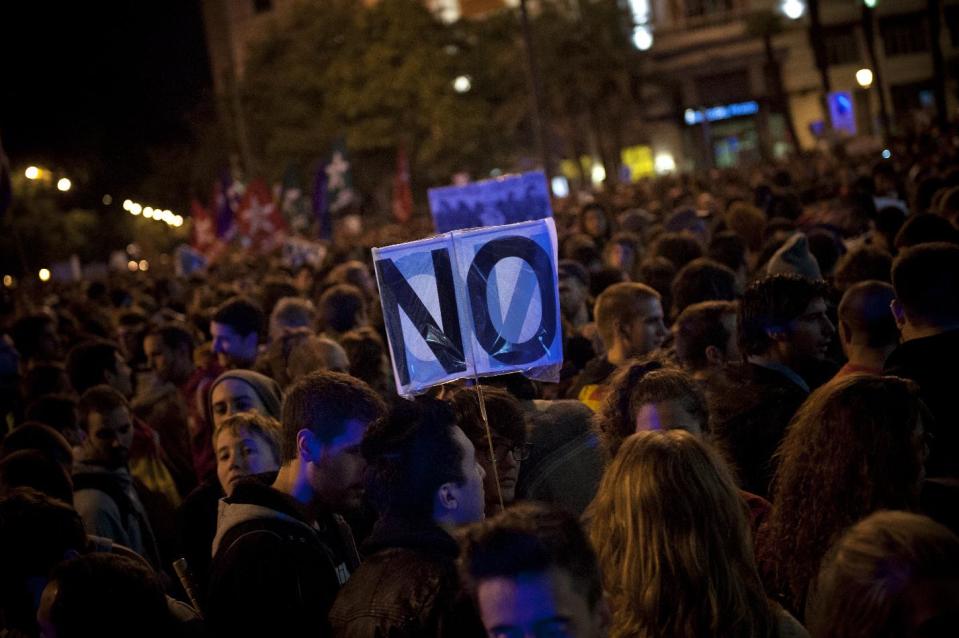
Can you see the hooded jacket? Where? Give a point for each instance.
(274, 571)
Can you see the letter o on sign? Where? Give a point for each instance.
(487, 335)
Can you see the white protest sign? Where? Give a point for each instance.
(471, 303)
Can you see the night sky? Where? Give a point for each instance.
(91, 87)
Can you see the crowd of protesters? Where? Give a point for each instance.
(755, 432)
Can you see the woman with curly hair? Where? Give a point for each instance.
(646, 395)
(669, 528)
(854, 447)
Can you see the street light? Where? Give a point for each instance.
(63, 184)
(462, 84)
(32, 172)
(793, 9)
(44, 275)
(870, 3)
(864, 78)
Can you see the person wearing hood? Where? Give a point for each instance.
(104, 494)
(246, 407)
(281, 550)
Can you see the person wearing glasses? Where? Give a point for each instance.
(510, 447)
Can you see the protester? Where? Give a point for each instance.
(926, 281)
(785, 335)
(532, 571)
(706, 338)
(235, 328)
(507, 424)
(662, 487)
(891, 574)
(855, 447)
(239, 391)
(867, 328)
(629, 319)
(104, 493)
(425, 481)
(281, 553)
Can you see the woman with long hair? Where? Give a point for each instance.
(854, 447)
(670, 531)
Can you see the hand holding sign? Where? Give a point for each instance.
(471, 303)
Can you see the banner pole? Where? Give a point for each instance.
(489, 440)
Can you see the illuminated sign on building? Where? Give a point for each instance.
(717, 113)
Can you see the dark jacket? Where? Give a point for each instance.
(589, 386)
(406, 586)
(749, 414)
(274, 572)
(933, 363)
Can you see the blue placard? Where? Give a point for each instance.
(494, 202)
(472, 303)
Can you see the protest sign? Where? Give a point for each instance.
(494, 202)
(472, 303)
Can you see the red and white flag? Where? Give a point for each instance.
(260, 222)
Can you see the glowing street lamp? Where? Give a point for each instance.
(44, 275)
(64, 184)
(462, 84)
(32, 172)
(793, 9)
(864, 78)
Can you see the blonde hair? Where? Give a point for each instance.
(670, 531)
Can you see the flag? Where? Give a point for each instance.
(339, 179)
(289, 197)
(402, 193)
(203, 231)
(259, 221)
(226, 197)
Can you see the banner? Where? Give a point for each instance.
(494, 202)
(472, 303)
(259, 221)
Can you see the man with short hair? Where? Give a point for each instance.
(104, 493)
(629, 319)
(235, 328)
(706, 337)
(292, 314)
(926, 309)
(425, 481)
(867, 329)
(785, 332)
(36, 338)
(99, 362)
(533, 572)
(281, 552)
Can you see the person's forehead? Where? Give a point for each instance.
(648, 307)
(111, 418)
(816, 306)
(529, 596)
(233, 388)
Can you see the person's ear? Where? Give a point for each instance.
(898, 313)
(448, 496)
(622, 330)
(715, 356)
(308, 446)
(845, 332)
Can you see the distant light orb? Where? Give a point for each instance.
(793, 9)
(864, 78)
(64, 184)
(128, 204)
(132, 266)
(144, 265)
(148, 212)
(462, 84)
(8, 281)
(870, 3)
(664, 163)
(598, 173)
(107, 200)
(886, 153)
(178, 220)
(32, 172)
(44, 275)
(135, 209)
(643, 38)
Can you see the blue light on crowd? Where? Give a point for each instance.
(724, 112)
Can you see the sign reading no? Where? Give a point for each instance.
(471, 303)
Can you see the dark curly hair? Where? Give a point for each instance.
(773, 302)
(639, 383)
(854, 447)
